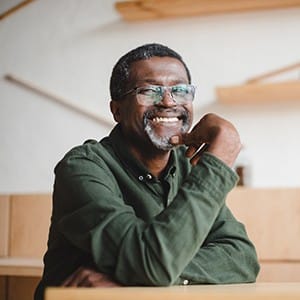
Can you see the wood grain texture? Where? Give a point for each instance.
(262, 291)
(272, 219)
(4, 224)
(29, 225)
(21, 288)
(259, 93)
(158, 9)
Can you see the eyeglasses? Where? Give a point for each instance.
(154, 94)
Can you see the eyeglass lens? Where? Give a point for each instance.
(152, 95)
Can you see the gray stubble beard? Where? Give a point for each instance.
(163, 142)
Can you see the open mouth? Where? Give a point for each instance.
(166, 119)
(163, 116)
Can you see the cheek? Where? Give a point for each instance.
(190, 112)
(133, 116)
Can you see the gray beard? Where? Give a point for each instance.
(163, 142)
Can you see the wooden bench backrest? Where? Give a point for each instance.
(272, 220)
(24, 221)
(4, 227)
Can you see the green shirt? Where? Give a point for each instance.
(109, 212)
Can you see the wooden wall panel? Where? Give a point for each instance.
(29, 225)
(3, 288)
(4, 224)
(279, 272)
(272, 219)
(21, 288)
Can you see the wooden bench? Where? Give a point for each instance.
(24, 225)
(272, 219)
(271, 216)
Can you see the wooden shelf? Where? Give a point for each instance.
(259, 93)
(256, 90)
(134, 10)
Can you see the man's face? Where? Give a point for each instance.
(157, 123)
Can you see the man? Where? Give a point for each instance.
(146, 205)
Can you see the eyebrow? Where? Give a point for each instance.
(155, 81)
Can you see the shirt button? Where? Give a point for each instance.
(149, 176)
(185, 282)
(141, 178)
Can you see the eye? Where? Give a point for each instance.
(181, 89)
(149, 91)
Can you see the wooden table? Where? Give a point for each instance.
(257, 291)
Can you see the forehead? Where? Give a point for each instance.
(158, 69)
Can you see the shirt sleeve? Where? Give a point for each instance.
(94, 218)
(226, 256)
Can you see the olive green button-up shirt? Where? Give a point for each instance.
(110, 213)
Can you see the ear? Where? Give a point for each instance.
(115, 110)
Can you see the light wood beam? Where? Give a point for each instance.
(259, 93)
(14, 9)
(157, 9)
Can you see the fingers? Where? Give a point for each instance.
(196, 154)
(76, 278)
(221, 136)
(87, 277)
(188, 139)
(97, 280)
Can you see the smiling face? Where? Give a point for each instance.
(152, 126)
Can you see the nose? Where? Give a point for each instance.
(167, 100)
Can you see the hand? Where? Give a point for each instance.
(87, 277)
(214, 135)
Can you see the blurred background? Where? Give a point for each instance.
(56, 59)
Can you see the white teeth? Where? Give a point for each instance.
(165, 119)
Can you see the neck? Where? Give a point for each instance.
(154, 161)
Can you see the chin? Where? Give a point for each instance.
(159, 133)
(160, 142)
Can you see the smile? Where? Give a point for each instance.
(165, 119)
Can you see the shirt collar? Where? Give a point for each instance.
(122, 150)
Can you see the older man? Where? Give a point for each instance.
(146, 205)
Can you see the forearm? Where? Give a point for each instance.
(227, 256)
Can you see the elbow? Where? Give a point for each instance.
(159, 278)
(250, 270)
(162, 280)
(254, 271)
(161, 274)
(254, 266)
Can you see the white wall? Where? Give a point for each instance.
(69, 47)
